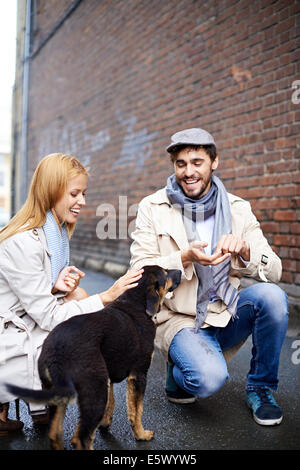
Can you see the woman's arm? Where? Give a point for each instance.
(23, 267)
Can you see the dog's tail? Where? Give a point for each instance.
(51, 396)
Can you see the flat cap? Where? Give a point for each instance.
(194, 136)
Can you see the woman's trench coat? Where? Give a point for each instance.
(28, 310)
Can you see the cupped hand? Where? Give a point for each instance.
(195, 253)
(68, 279)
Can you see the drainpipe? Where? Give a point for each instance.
(25, 91)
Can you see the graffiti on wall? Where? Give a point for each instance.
(74, 138)
(137, 145)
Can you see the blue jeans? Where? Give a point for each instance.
(199, 365)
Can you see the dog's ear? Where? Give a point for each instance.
(159, 282)
(153, 299)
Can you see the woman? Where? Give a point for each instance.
(38, 289)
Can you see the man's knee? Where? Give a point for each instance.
(203, 383)
(273, 301)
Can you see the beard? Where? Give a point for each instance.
(198, 188)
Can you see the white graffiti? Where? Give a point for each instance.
(137, 145)
(72, 138)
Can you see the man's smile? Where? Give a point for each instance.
(191, 183)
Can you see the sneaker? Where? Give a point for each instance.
(264, 407)
(180, 397)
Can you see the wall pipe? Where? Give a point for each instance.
(25, 91)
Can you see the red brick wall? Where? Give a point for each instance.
(117, 78)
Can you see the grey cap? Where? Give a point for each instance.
(194, 136)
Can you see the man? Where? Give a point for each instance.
(194, 225)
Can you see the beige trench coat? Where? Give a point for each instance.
(28, 310)
(158, 238)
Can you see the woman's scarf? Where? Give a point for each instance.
(58, 245)
(211, 278)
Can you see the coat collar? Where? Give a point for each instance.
(39, 232)
(171, 218)
(161, 197)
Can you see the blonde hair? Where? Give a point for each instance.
(49, 183)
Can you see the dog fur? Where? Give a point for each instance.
(84, 356)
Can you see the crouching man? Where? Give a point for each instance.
(193, 224)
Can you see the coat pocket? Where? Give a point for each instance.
(13, 343)
(168, 244)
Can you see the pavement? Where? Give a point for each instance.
(220, 422)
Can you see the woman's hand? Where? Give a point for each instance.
(68, 279)
(124, 283)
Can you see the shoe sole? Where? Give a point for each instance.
(267, 422)
(182, 401)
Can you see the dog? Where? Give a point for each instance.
(85, 355)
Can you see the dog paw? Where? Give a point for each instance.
(56, 445)
(145, 436)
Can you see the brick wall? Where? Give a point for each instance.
(110, 81)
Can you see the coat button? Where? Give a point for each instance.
(35, 232)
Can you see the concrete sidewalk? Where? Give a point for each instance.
(220, 422)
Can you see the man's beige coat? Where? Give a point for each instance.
(28, 310)
(160, 236)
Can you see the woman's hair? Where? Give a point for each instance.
(49, 183)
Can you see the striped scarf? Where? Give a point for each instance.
(211, 278)
(58, 245)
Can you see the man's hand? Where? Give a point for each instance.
(234, 245)
(227, 245)
(196, 254)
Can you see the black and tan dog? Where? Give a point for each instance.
(83, 356)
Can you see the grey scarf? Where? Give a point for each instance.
(211, 278)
